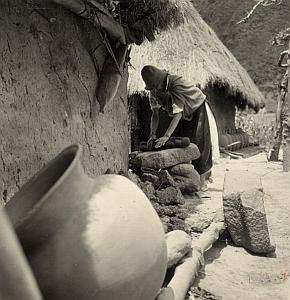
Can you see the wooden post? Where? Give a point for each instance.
(185, 273)
(286, 130)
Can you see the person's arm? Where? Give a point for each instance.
(153, 127)
(282, 55)
(154, 122)
(172, 126)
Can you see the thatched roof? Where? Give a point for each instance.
(149, 17)
(194, 51)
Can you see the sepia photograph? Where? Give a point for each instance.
(144, 150)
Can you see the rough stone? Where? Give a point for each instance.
(177, 224)
(166, 158)
(178, 245)
(165, 221)
(148, 189)
(185, 170)
(166, 179)
(198, 222)
(182, 214)
(165, 210)
(187, 185)
(170, 195)
(186, 178)
(244, 211)
(154, 179)
(134, 178)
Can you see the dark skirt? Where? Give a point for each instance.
(199, 133)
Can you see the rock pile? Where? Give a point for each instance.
(165, 176)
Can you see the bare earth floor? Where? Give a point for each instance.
(232, 272)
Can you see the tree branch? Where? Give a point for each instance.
(260, 2)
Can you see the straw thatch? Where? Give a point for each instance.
(194, 51)
(146, 18)
(158, 14)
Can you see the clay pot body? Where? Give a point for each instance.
(89, 239)
(16, 278)
(222, 140)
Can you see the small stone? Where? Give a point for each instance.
(163, 210)
(182, 214)
(134, 178)
(166, 223)
(170, 195)
(166, 178)
(148, 189)
(177, 224)
(187, 185)
(198, 222)
(151, 178)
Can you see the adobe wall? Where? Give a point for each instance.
(47, 84)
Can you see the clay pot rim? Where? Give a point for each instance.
(76, 150)
(77, 153)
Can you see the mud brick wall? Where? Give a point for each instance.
(47, 84)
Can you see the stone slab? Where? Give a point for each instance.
(165, 158)
(244, 211)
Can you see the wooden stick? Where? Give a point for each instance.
(229, 153)
(185, 273)
(232, 144)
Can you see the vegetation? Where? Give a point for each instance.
(260, 127)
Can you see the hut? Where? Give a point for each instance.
(54, 54)
(194, 51)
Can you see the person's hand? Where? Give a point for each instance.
(161, 141)
(150, 142)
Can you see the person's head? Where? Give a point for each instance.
(154, 78)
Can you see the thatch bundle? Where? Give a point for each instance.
(155, 15)
(145, 18)
(194, 51)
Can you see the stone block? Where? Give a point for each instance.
(165, 158)
(244, 211)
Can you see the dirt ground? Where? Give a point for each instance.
(233, 273)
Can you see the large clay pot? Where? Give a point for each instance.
(222, 140)
(229, 140)
(89, 238)
(16, 278)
